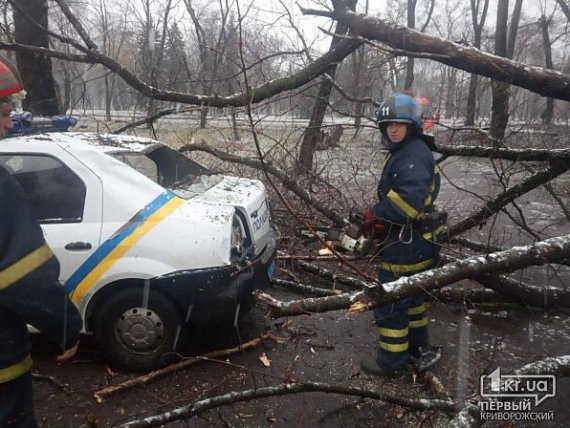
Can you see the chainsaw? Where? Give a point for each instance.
(349, 238)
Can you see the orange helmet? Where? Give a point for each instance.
(10, 80)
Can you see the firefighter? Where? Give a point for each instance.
(405, 216)
(29, 288)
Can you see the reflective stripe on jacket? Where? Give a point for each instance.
(29, 289)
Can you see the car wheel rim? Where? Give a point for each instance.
(140, 329)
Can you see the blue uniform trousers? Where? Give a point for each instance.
(402, 328)
(16, 403)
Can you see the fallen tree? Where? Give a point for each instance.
(548, 83)
(542, 252)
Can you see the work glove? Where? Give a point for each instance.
(371, 225)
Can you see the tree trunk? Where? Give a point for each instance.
(357, 65)
(204, 117)
(311, 137)
(474, 79)
(549, 110)
(450, 110)
(66, 105)
(410, 64)
(36, 70)
(234, 124)
(108, 96)
(470, 114)
(500, 106)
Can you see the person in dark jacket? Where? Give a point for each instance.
(407, 191)
(29, 289)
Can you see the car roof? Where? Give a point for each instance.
(77, 142)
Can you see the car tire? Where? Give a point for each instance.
(135, 337)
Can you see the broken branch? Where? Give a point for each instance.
(139, 380)
(287, 388)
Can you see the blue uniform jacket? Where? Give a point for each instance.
(408, 188)
(29, 289)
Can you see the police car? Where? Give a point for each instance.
(150, 242)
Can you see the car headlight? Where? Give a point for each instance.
(238, 238)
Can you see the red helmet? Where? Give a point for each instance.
(10, 80)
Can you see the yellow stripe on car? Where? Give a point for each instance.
(115, 255)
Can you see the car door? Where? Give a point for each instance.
(67, 198)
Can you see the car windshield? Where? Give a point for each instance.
(163, 165)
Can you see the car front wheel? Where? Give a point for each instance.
(136, 335)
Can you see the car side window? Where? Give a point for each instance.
(55, 191)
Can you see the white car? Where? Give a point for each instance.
(149, 241)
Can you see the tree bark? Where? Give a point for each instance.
(500, 89)
(36, 70)
(549, 109)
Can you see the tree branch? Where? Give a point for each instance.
(501, 200)
(284, 178)
(548, 83)
(516, 155)
(287, 388)
(185, 363)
